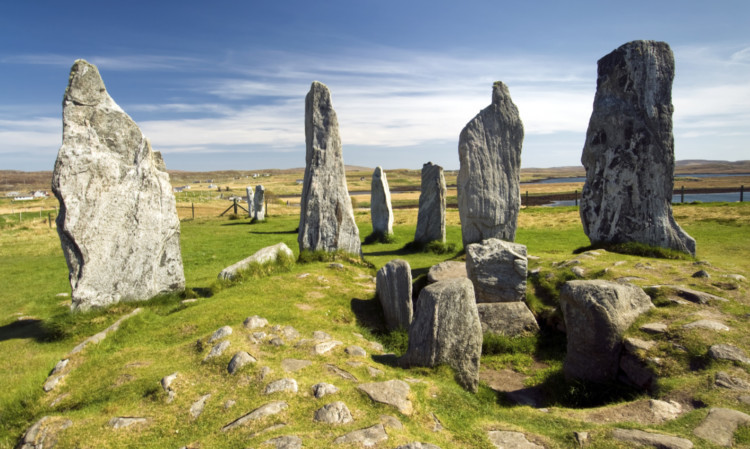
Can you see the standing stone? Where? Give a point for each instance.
(431, 217)
(489, 150)
(394, 289)
(259, 205)
(250, 202)
(596, 314)
(629, 151)
(118, 222)
(498, 270)
(326, 216)
(446, 329)
(380, 204)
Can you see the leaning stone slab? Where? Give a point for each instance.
(450, 269)
(657, 440)
(629, 151)
(268, 254)
(366, 437)
(498, 270)
(720, 424)
(394, 289)
(326, 215)
(333, 369)
(118, 223)
(596, 314)
(489, 151)
(381, 212)
(393, 392)
(334, 413)
(502, 439)
(272, 408)
(43, 434)
(506, 318)
(431, 215)
(446, 330)
(259, 203)
(98, 337)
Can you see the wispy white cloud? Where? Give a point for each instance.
(119, 63)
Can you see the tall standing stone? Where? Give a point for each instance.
(118, 222)
(259, 205)
(489, 150)
(629, 151)
(326, 217)
(380, 204)
(431, 217)
(394, 289)
(250, 202)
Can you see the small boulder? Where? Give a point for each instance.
(720, 424)
(326, 346)
(197, 407)
(506, 318)
(268, 254)
(724, 380)
(711, 325)
(334, 413)
(323, 389)
(728, 352)
(502, 439)
(272, 408)
(282, 385)
(220, 334)
(366, 437)
(217, 350)
(498, 270)
(239, 360)
(254, 322)
(355, 351)
(393, 392)
(285, 442)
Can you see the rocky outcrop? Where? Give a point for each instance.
(394, 290)
(629, 151)
(498, 270)
(489, 151)
(118, 222)
(446, 330)
(265, 255)
(380, 204)
(596, 314)
(259, 203)
(326, 216)
(431, 215)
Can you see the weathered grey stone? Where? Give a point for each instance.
(99, 336)
(268, 254)
(450, 269)
(366, 437)
(334, 413)
(255, 322)
(418, 445)
(720, 424)
(341, 373)
(394, 289)
(355, 351)
(239, 360)
(326, 216)
(250, 201)
(728, 352)
(393, 392)
(489, 151)
(654, 328)
(701, 274)
(323, 389)
(712, 325)
(286, 385)
(285, 442)
(498, 270)
(217, 350)
(326, 346)
(259, 203)
(391, 422)
(596, 314)
(57, 374)
(118, 222)
(657, 440)
(724, 380)
(43, 434)
(221, 333)
(197, 407)
(380, 204)
(431, 215)
(691, 295)
(506, 318)
(446, 329)
(166, 382)
(374, 372)
(579, 272)
(632, 345)
(272, 408)
(503, 439)
(629, 151)
(292, 365)
(320, 335)
(126, 421)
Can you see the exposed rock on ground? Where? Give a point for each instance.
(720, 424)
(259, 203)
(506, 318)
(380, 204)
(392, 392)
(657, 440)
(268, 254)
(450, 269)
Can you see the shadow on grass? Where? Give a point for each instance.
(23, 329)
(293, 231)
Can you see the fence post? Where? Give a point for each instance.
(19, 217)
(576, 197)
(49, 220)
(527, 198)
(235, 206)
(192, 206)
(742, 193)
(682, 195)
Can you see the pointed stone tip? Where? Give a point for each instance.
(499, 92)
(85, 84)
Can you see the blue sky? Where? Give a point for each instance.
(221, 84)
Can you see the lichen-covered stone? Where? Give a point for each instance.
(629, 151)
(380, 204)
(259, 203)
(498, 270)
(250, 201)
(394, 289)
(431, 215)
(265, 255)
(489, 151)
(118, 222)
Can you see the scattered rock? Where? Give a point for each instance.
(736, 277)
(105, 159)
(126, 421)
(217, 350)
(263, 256)
(489, 150)
(374, 372)
(366, 437)
(582, 438)
(272, 408)
(431, 215)
(502, 439)
(281, 385)
(728, 352)
(633, 345)
(239, 360)
(322, 389)
(706, 324)
(394, 291)
(355, 351)
(391, 422)
(285, 442)
(326, 215)
(43, 434)
(418, 445)
(254, 322)
(691, 295)
(578, 272)
(437, 425)
(98, 337)
(701, 274)
(506, 318)
(221, 333)
(657, 440)
(446, 329)
(720, 424)
(341, 373)
(166, 384)
(654, 328)
(724, 380)
(381, 212)
(326, 346)
(393, 392)
(55, 376)
(320, 335)
(498, 270)
(334, 413)
(629, 151)
(450, 269)
(197, 408)
(276, 341)
(336, 266)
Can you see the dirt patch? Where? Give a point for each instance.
(512, 385)
(306, 307)
(314, 295)
(643, 411)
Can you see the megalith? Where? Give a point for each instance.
(596, 314)
(394, 289)
(489, 151)
(431, 215)
(380, 204)
(118, 222)
(498, 270)
(250, 202)
(629, 151)
(446, 330)
(326, 216)
(259, 203)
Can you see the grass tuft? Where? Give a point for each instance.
(435, 247)
(637, 249)
(379, 237)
